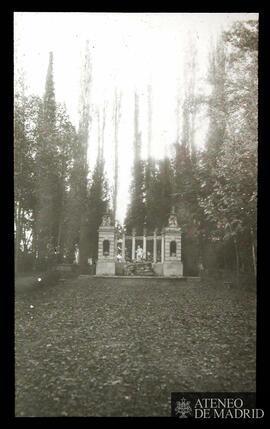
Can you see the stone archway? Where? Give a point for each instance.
(168, 242)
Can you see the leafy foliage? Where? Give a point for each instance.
(229, 166)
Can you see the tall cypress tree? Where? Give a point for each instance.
(97, 202)
(49, 103)
(46, 169)
(164, 192)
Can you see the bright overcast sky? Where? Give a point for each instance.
(128, 52)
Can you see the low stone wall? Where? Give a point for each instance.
(166, 269)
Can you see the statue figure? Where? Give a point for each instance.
(106, 220)
(139, 253)
(76, 254)
(173, 220)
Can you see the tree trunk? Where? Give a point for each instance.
(254, 259)
(224, 260)
(237, 261)
(83, 251)
(18, 236)
(60, 236)
(253, 253)
(24, 238)
(34, 241)
(61, 215)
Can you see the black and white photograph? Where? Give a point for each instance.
(135, 214)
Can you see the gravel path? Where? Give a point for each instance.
(119, 347)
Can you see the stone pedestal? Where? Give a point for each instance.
(162, 248)
(155, 247)
(173, 268)
(123, 247)
(105, 268)
(158, 268)
(172, 265)
(106, 248)
(133, 244)
(144, 244)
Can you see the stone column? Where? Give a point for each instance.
(155, 247)
(144, 243)
(106, 260)
(123, 247)
(162, 247)
(133, 244)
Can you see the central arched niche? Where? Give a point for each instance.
(106, 248)
(173, 248)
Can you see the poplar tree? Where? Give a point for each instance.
(151, 174)
(81, 162)
(116, 120)
(136, 211)
(98, 200)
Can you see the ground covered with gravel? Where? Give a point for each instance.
(119, 347)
